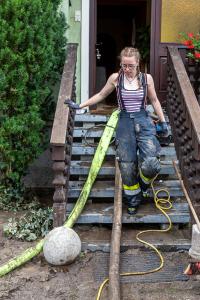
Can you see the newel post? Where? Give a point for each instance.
(59, 182)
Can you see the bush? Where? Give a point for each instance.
(32, 53)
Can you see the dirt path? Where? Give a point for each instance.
(37, 280)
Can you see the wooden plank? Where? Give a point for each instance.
(114, 277)
(103, 213)
(174, 240)
(90, 133)
(58, 135)
(91, 118)
(79, 149)
(106, 189)
(104, 246)
(88, 117)
(82, 168)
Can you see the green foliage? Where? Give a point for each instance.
(143, 42)
(31, 226)
(192, 42)
(32, 52)
(13, 199)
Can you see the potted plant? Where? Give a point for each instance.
(192, 42)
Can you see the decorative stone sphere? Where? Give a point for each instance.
(61, 246)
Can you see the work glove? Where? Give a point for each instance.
(72, 104)
(162, 129)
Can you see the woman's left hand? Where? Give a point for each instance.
(162, 129)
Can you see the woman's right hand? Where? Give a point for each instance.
(72, 104)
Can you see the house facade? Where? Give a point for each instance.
(103, 27)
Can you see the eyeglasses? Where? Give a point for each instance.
(130, 67)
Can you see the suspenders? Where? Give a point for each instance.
(143, 80)
(144, 84)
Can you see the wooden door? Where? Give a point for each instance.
(158, 52)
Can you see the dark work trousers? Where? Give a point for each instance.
(137, 148)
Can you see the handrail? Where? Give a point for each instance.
(188, 96)
(62, 137)
(184, 114)
(58, 135)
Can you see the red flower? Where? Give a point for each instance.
(190, 35)
(187, 43)
(192, 42)
(197, 55)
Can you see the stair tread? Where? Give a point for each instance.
(78, 167)
(90, 131)
(111, 163)
(110, 184)
(147, 213)
(98, 238)
(88, 117)
(81, 149)
(105, 188)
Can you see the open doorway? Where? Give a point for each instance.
(120, 24)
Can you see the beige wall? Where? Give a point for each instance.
(179, 16)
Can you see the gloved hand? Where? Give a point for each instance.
(162, 129)
(72, 104)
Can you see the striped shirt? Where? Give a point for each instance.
(130, 100)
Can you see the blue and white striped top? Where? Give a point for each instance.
(129, 100)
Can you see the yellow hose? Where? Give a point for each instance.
(162, 204)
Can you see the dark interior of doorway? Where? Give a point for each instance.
(119, 24)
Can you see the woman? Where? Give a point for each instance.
(137, 148)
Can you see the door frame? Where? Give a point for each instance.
(155, 35)
(154, 40)
(85, 46)
(92, 46)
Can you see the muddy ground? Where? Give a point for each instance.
(37, 280)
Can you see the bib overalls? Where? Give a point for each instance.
(137, 148)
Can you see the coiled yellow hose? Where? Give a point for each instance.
(162, 204)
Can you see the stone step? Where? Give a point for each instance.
(105, 189)
(146, 214)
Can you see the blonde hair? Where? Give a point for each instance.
(130, 52)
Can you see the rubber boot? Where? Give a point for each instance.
(132, 202)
